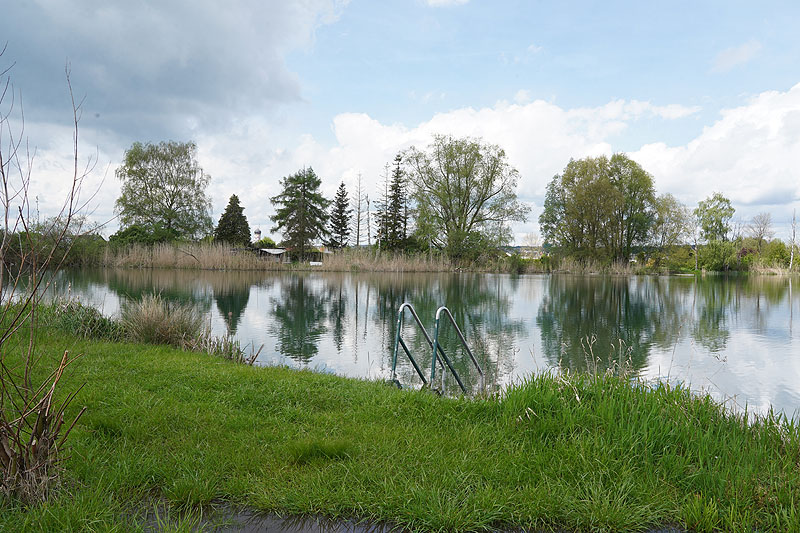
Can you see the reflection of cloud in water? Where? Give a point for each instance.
(736, 333)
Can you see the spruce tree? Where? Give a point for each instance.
(233, 227)
(396, 209)
(301, 213)
(340, 216)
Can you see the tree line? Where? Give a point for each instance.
(607, 210)
(457, 197)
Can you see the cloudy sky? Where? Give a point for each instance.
(704, 95)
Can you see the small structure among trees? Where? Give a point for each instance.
(233, 227)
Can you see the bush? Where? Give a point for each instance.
(84, 321)
(718, 255)
(152, 320)
(776, 253)
(266, 242)
(140, 234)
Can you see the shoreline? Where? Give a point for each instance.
(575, 451)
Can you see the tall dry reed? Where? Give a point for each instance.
(222, 257)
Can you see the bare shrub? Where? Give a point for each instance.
(31, 419)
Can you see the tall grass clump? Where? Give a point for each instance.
(82, 321)
(153, 320)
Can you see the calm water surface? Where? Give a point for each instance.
(734, 337)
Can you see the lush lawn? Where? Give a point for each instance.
(594, 454)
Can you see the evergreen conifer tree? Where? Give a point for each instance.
(301, 213)
(396, 209)
(340, 216)
(233, 227)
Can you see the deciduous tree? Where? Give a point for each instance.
(598, 208)
(162, 184)
(760, 228)
(714, 215)
(465, 192)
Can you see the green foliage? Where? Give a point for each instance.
(599, 208)
(82, 321)
(468, 247)
(776, 253)
(517, 264)
(671, 226)
(680, 259)
(300, 212)
(463, 188)
(162, 185)
(718, 255)
(265, 242)
(233, 227)
(146, 234)
(76, 242)
(714, 215)
(392, 211)
(340, 216)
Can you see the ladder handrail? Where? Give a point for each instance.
(399, 342)
(434, 344)
(461, 336)
(463, 343)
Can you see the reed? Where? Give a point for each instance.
(152, 320)
(211, 256)
(204, 256)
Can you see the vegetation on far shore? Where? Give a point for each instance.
(184, 432)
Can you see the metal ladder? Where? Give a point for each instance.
(435, 346)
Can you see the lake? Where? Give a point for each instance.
(733, 337)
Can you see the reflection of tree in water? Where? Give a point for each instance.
(338, 318)
(639, 311)
(716, 298)
(231, 294)
(480, 305)
(299, 318)
(186, 287)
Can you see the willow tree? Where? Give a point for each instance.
(164, 186)
(465, 194)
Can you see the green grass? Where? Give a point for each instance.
(588, 453)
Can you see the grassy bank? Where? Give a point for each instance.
(579, 452)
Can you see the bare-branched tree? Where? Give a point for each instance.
(32, 430)
(760, 229)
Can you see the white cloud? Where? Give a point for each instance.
(523, 96)
(736, 55)
(751, 154)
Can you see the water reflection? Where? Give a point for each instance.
(735, 333)
(299, 318)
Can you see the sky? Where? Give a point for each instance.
(704, 95)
